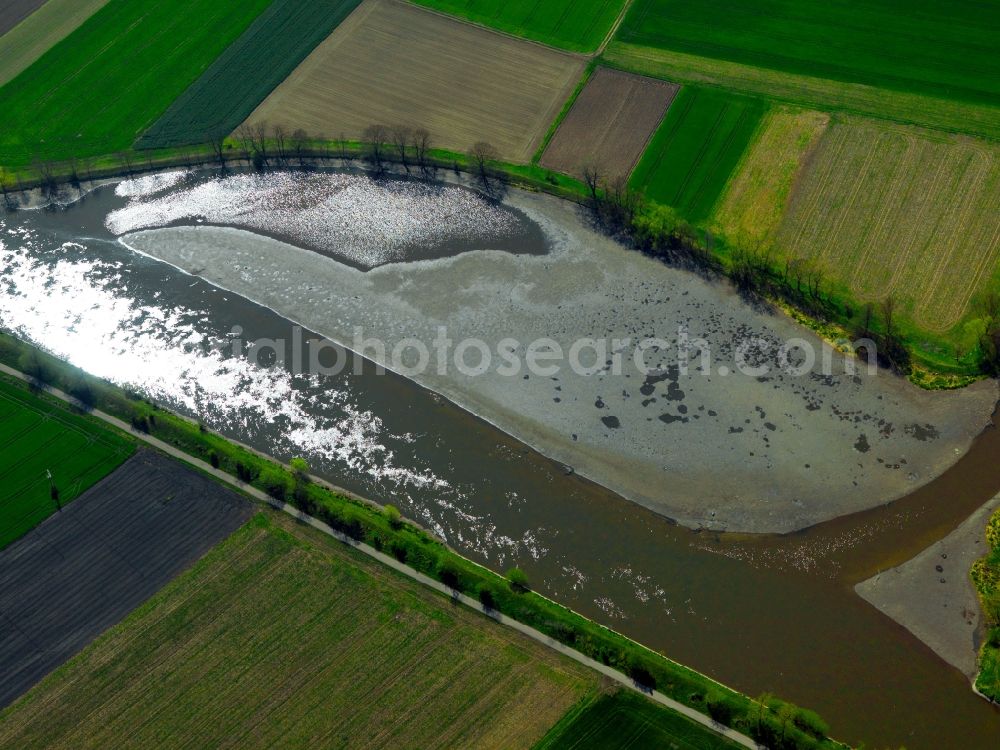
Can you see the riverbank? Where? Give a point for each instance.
(416, 554)
(933, 597)
(710, 448)
(936, 363)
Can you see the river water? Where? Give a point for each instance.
(761, 613)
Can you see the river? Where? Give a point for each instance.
(760, 612)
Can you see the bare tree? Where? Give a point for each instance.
(345, 153)
(888, 307)
(592, 178)
(401, 135)
(421, 140)
(125, 157)
(376, 136)
(482, 154)
(244, 134)
(280, 138)
(299, 142)
(218, 144)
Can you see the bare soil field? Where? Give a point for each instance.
(85, 568)
(283, 637)
(391, 63)
(758, 193)
(610, 124)
(23, 40)
(894, 210)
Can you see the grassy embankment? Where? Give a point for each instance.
(40, 437)
(427, 555)
(986, 578)
(278, 637)
(575, 25)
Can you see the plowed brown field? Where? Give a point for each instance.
(391, 63)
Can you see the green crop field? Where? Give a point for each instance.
(95, 91)
(243, 76)
(696, 148)
(947, 49)
(283, 637)
(38, 436)
(578, 25)
(623, 720)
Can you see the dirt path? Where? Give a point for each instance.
(391, 562)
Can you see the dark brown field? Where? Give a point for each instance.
(609, 124)
(12, 12)
(85, 568)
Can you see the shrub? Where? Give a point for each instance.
(448, 575)
(720, 707)
(811, 723)
(213, 458)
(393, 516)
(518, 580)
(486, 597)
(640, 673)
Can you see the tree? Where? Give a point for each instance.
(299, 141)
(218, 143)
(592, 178)
(421, 141)
(280, 139)
(401, 135)
(482, 154)
(244, 134)
(376, 137)
(518, 580)
(345, 153)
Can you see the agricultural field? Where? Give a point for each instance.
(570, 24)
(39, 436)
(281, 636)
(97, 89)
(609, 124)
(752, 206)
(35, 34)
(892, 210)
(87, 567)
(392, 63)
(13, 12)
(946, 50)
(809, 92)
(621, 720)
(696, 148)
(225, 95)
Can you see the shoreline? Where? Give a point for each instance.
(932, 596)
(544, 437)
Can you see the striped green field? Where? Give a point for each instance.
(37, 437)
(243, 76)
(95, 91)
(944, 49)
(577, 25)
(696, 148)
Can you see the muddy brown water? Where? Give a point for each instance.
(774, 613)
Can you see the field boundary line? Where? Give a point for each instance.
(614, 28)
(399, 567)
